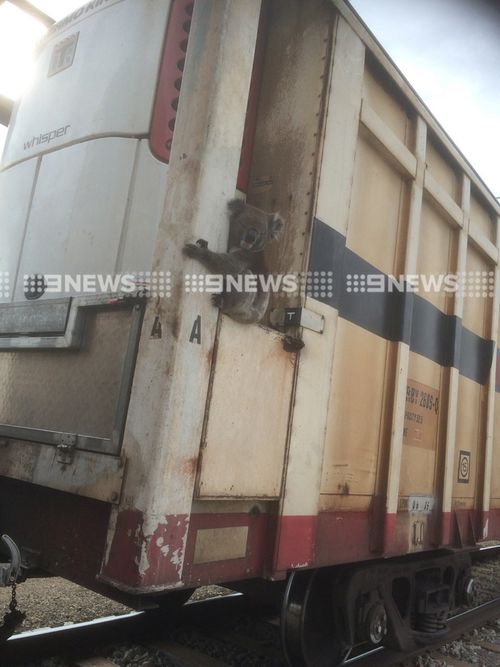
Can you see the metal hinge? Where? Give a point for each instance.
(66, 448)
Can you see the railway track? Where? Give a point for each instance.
(218, 632)
(188, 642)
(213, 632)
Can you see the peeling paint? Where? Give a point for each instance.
(176, 559)
(155, 555)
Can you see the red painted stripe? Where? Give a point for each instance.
(344, 537)
(494, 524)
(446, 537)
(485, 526)
(468, 527)
(144, 561)
(258, 557)
(151, 562)
(170, 79)
(390, 521)
(296, 537)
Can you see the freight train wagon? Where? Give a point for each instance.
(150, 444)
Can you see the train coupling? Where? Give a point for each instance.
(11, 572)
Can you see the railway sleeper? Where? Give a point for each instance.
(402, 604)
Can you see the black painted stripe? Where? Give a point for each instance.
(397, 315)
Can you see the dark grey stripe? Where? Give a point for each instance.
(396, 315)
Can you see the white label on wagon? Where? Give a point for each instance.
(420, 504)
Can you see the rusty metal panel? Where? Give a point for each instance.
(251, 364)
(248, 414)
(90, 475)
(292, 102)
(71, 391)
(169, 394)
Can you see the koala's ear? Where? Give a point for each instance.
(275, 226)
(236, 206)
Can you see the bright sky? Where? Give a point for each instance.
(449, 50)
(19, 34)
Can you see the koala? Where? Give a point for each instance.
(253, 230)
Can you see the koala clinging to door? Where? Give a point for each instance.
(253, 230)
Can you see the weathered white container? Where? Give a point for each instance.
(151, 444)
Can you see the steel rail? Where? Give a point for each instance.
(77, 638)
(486, 552)
(457, 626)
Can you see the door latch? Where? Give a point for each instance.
(66, 448)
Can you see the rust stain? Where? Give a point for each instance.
(175, 326)
(210, 356)
(190, 466)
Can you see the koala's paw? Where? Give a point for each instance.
(217, 300)
(191, 250)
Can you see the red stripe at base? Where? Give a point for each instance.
(494, 524)
(485, 525)
(144, 561)
(446, 519)
(296, 536)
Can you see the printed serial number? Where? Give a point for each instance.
(422, 398)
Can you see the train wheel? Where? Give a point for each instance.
(307, 621)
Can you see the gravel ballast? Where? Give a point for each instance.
(53, 602)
